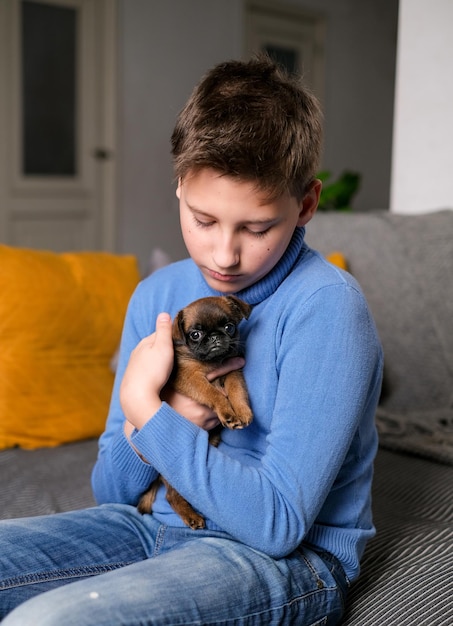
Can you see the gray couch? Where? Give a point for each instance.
(405, 266)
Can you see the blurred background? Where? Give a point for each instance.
(89, 92)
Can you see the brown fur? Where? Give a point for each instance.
(213, 319)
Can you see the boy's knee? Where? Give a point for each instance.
(52, 609)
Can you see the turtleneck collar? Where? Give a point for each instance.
(265, 287)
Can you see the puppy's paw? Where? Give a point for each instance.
(245, 415)
(230, 420)
(195, 521)
(238, 418)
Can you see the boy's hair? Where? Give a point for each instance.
(252, 121)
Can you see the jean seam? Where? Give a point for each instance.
(339, 575)
(321, 584)
(70, 573)
(160, 537)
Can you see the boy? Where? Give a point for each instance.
(287, 499)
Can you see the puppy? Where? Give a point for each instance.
(205, 333)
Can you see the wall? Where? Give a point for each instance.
(422, 178)
(360, 75)
(164, 49)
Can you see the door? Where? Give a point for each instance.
(292, 36)
(57, 124)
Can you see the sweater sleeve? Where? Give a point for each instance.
(321, 436)
(120, 475)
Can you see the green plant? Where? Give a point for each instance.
(338, 195)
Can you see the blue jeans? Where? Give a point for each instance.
(110, 565)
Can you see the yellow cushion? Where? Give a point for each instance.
(60, 321)
(338, 259)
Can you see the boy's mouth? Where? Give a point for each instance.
(225, 278)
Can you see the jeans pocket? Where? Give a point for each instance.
(328, 575)
(338, 573)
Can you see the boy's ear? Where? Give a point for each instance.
(309, 202)
(178, 189)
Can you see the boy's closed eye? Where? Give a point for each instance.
(256, 229)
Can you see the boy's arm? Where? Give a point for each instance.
(120, 473)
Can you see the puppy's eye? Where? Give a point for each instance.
(195, 335)
(230, 328)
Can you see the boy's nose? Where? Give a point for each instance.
(226, 253)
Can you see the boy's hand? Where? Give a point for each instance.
(148, 370)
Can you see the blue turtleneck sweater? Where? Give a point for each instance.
(302, 471)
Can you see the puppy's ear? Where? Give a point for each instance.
(239, 307)
(178, 328)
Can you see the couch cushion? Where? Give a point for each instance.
(404, 264)
(60, 321)
(47, 480)
(407, 568)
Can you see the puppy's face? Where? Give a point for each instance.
(208, 327)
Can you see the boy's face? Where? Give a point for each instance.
(232, 232)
